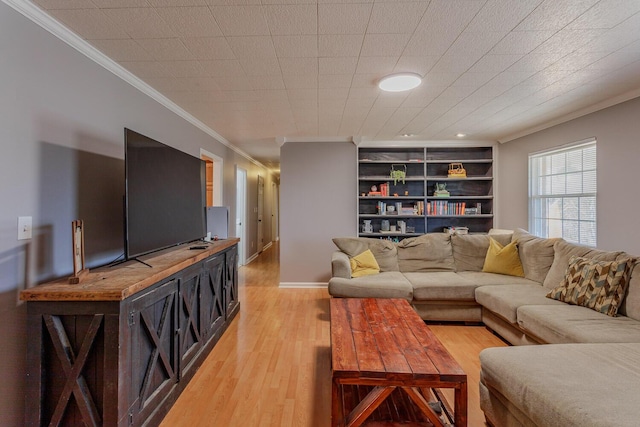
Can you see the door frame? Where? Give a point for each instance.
(241, 213)
(275, 204)
(218, 175)
(260, 241)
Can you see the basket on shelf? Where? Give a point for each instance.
(398, 174)
(456, 170)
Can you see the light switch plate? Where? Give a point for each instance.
(24, 227)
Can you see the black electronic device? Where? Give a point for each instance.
(164, 198)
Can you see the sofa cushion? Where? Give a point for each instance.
(563, 251)
(598, 285)
(505, 300)
(482, 279)
(494, 231)
(439, 286)
(502, 259)
(564, 323)
(631, 303)
(470, 250)
(364, 264)
(572, 385)
(340, 266)
(536, 254)
(390, 284)
(384, 251)
(429, 252)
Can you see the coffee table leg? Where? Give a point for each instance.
(461, 405)
(337, 417)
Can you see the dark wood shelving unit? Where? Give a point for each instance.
(425, 167)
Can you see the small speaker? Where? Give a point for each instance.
(218, 221)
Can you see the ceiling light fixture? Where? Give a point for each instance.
(407, 135)
(461, 135)
(400, 82)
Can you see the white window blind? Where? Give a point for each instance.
(562, 193)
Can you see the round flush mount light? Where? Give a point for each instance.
(461, 135)
(400, 82)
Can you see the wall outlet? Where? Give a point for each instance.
(24, 227)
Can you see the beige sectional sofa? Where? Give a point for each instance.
(592, 360)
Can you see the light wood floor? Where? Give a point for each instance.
(272, 366)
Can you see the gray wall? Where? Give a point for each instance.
(61, 134)
(318, 183)
(617, 130)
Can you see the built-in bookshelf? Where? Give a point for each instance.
(396, 187)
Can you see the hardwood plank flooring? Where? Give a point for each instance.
(272, 366)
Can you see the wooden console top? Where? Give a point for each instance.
(121, 281)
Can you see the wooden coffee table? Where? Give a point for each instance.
(388, 367)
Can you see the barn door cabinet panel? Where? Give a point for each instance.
(190, 326)
(231, 283)
(73, 376)
(153, 350)
(118, 348)
(213, 297)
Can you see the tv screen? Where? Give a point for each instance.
(164, 197)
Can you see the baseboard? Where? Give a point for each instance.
(251, 258)
(267, 246)
(303, 285)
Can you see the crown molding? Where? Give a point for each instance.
(283, 140)
(414, 143)
(32, 12)
(574, 115)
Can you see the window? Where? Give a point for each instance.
(562, 193)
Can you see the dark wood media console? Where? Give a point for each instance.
(119, 348)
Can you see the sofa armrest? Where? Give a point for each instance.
(340, 266)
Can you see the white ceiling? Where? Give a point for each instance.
(262, 71)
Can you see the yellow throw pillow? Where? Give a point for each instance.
(503, 259)
(364, 264)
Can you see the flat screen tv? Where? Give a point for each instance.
(164, 196)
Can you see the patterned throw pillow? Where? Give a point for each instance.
(598, 285)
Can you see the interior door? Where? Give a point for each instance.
(274, 212)
(241, 207)
(260, 214)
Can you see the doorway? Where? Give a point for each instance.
(275, 203)
(260, 214)
(241, 216)
(214, 178)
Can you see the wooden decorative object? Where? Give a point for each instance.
(77, 236)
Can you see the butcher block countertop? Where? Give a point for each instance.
(119, 282)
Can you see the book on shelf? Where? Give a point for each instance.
(442, 207)
(384, 189)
